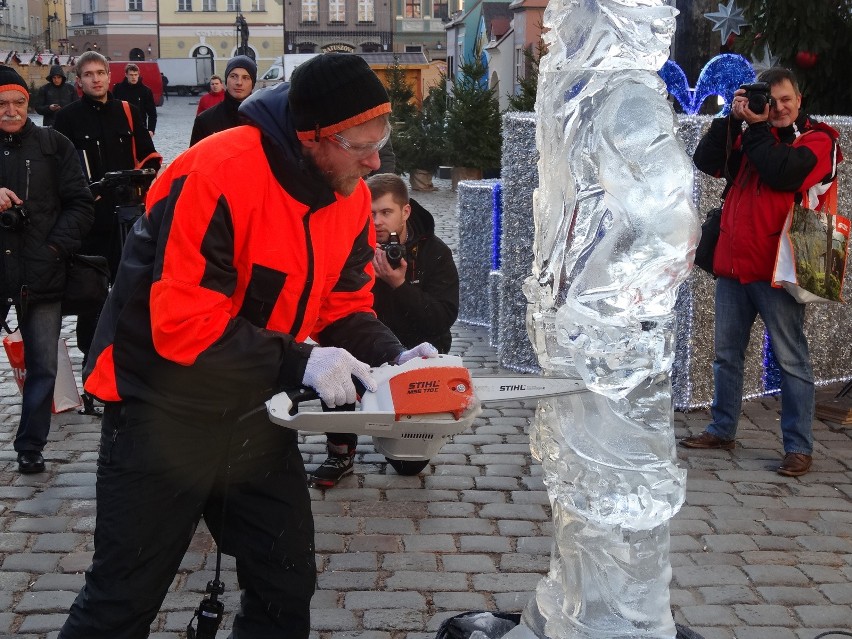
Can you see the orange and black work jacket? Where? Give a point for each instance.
(244, 252)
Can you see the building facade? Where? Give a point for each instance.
(118, 29)
(201, 28)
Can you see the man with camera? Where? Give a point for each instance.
(45, 210)
(416, 293)
(253, 241)
(107, 138)
(772, 154)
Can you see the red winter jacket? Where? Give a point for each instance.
(772, 167)
(242, 254)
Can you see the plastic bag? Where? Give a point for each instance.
(478, 624)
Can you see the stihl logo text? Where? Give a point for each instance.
(416, 388)
(512, 387)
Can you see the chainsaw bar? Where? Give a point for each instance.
(503, 389)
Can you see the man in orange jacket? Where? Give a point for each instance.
(254, 240)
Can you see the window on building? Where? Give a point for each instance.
(520, 67)
(366, 11)
(337, 10)
(414, 48)
(208, 5)
(232, 5)
(310, 10)
(412, 8)
(134, 5)
(258, 5)
(440, 9)
(184, 5)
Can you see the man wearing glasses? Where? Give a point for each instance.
(253, 241)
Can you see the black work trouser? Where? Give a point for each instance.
(157, 476)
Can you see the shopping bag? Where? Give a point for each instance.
(811, 260)
(65, 393)
(13, 344)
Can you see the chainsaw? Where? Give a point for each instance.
(416, 407)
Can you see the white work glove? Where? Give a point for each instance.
(329, 372)
(421, 350)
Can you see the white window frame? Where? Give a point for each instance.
(366, 11)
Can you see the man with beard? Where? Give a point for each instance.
(240, 78)
(252, 242)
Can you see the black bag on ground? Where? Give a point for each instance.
(86, 284)
(490, 624)
(706, 248)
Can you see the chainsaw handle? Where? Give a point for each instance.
(308, 394)
(299, 395)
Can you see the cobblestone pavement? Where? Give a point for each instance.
(755, 555)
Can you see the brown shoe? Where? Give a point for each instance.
(795, 464)
(707, 440)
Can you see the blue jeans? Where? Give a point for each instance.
(40, 331)
(737, 306)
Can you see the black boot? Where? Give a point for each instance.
(89, 406)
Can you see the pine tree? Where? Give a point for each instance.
(524, 100)
(473, 119)
(400, 94)
(421, 141)
(795, 32)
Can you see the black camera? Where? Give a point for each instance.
(127, 188)
(14, 218)
(758, 95)
(394, 250)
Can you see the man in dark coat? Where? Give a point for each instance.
(54, 95)
(105, 141)
(134, 91)
(240, 78)
(417, 297)
(45, 210)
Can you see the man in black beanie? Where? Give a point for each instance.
(254, 240)
(240, 78)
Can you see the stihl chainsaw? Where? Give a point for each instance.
(416, 408)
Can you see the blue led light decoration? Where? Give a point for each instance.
(721, 76)
(496, 225)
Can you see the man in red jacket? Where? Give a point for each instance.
(214, 97)
(776, 156)
(253, 241)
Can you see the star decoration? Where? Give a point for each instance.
(766, 61)
(727, 20)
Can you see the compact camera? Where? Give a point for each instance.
(394, 250)
(14, 218)
(758, 95)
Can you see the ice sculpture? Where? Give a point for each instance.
(615, 234)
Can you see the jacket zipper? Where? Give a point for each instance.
(309, 278)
